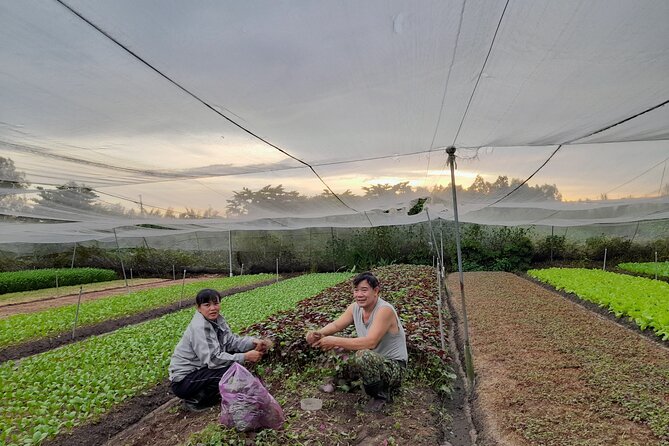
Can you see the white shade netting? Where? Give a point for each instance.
(163, 119)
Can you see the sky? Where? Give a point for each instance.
(365, 93)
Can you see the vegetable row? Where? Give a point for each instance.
(21, 328)
(53, 391)
(36, 279)
(661, 269)
(645, 301)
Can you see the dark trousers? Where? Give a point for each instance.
(200, 386)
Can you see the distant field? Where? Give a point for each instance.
(48, 293)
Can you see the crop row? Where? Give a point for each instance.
(647, 268)
(53, 321)
(53, 391)
(46, 278)
(645, 301)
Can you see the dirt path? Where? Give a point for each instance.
(44, 304)
(551, 372)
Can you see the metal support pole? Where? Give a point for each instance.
(76, 315)
(74, 253)
(230, 250)
(604, 266)
(552, 233)
(174, 273)
(57, 293)
(277, 269)
(241, 272)
(656, 267)
(469, 363)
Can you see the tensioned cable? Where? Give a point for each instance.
(582, 137)
(622, 121)
(197, 98)
(528, 178)
(638, 176)
(478, 79)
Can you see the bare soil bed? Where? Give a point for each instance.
(552, 372)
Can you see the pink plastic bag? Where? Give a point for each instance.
(245, 402)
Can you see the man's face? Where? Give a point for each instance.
(365, 295)
(210, 310)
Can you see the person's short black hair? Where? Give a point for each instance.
(207, 295)
(369, 277)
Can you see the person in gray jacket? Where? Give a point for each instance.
(381, 350)
(205, 352)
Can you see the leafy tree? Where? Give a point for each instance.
(69, 195)
(246, 201)
(11, 179)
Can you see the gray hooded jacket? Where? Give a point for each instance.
(207, 344)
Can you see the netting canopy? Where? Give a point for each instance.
(151, 117)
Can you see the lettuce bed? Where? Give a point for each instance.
(645, 301)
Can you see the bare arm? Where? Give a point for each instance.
(383, 321)
(336, 326)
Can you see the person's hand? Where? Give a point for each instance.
(326, 343)
(263, 345)
(252, 356)
(313, 337)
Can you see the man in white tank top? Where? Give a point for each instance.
(380, 345)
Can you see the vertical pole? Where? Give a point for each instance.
(74, 253)
(277, 269)
(57, 293)
(334, 267)
(604, 266)
(469, 363)
(656, 267)
(440, 281)
(311, 266)
(76, 315)
(552, 233)
(183, 285)
(118, 251)
(241, 273)
(230, 250)
(174, 273)
(443, 268)
(131, 274)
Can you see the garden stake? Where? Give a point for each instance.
(604, 266)
(469, 363)
(230, 250)
(74, 253)
(57, 294)
(118, 251)
(183, 284)
(174, 273)
(76, 315)
(655, 265)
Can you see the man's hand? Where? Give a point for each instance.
(263, 345)
(326, 343)
(313, 337)
(252, 356)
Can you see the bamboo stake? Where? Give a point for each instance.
(76, 315)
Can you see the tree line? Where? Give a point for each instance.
(247, 201)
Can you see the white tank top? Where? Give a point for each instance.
(392, 346)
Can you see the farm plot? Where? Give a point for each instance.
(550, 372)
(650, 269)
(20, 328)
(46, 278)
(293, 371)
(644, 301)
(54, 391)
